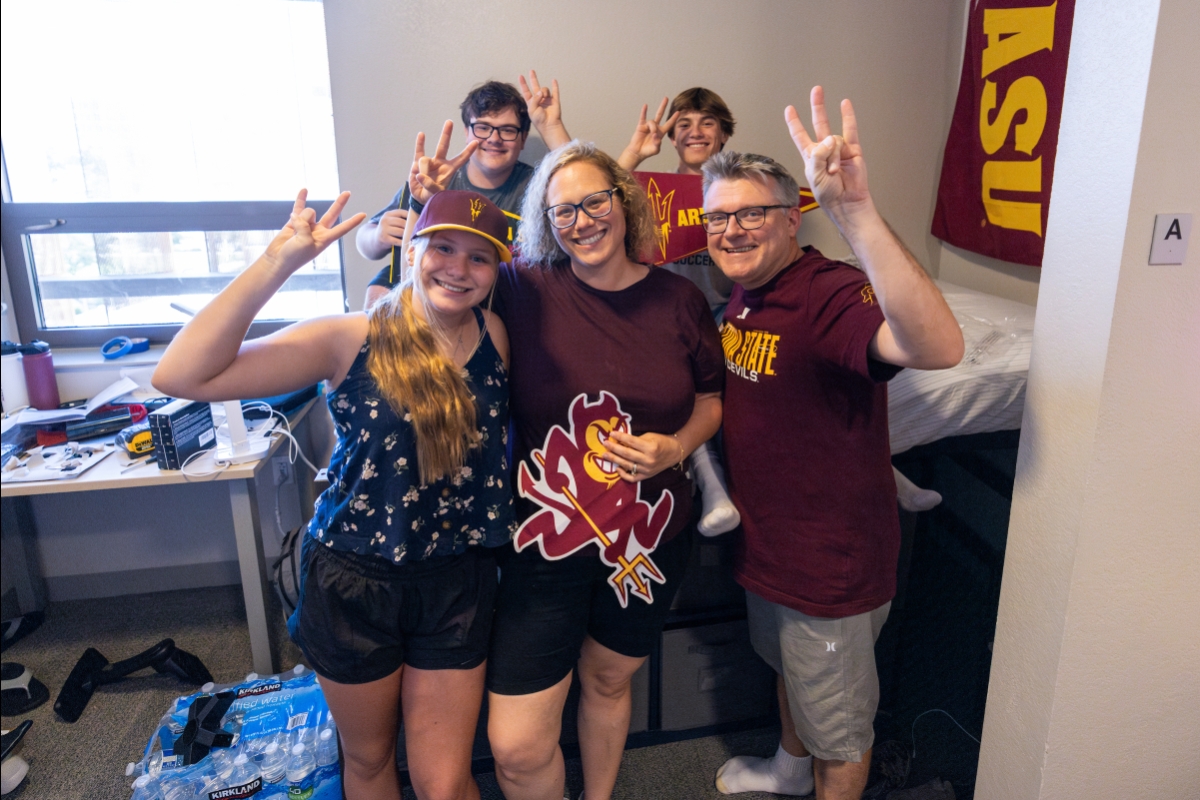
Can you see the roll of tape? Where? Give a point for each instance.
(123, 346)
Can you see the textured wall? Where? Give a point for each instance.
(398, 68)
(1095, 690)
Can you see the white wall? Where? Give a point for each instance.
(402, 67)
(1095, 690)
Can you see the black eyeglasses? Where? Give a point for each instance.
(481, 130)
(595, 205)
(748, 218)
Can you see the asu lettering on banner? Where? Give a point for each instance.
(999, 161)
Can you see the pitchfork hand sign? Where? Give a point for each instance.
(833, 163)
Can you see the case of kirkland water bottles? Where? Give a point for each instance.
(269, 737)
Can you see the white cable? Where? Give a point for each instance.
(187, 476)
(278, 515)
(294, 449)
(913, 729)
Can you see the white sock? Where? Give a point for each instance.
(913, 497)
(719, 515)
(784, 773)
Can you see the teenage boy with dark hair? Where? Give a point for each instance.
(497, 116)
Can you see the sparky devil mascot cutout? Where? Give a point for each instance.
(584, 500)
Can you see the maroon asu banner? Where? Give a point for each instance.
(677, 201)
(994, 195)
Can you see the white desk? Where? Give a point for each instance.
(19, 528)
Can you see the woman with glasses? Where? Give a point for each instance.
(616, 377)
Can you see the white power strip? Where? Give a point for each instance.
(254, 446)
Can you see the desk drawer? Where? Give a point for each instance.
(711, 675)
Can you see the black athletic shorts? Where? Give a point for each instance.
(360, 617)
(546, 608)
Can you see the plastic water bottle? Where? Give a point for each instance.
(244, 772)
(144, 788)
(178, 789)
(274, 763)
(300, 771)
(222, 762)
(306, 736)
(327, 748)
(207, 782)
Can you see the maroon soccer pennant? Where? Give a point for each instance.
(677, 201)
(994, 195)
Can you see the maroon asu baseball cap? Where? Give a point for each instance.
(465, 211)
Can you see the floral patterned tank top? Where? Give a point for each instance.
(376, 503)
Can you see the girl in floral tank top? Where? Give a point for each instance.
(398, 574)
(376, 503)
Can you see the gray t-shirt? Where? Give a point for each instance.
(508, 196)
(701, 270)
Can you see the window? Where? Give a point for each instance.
(150, 151)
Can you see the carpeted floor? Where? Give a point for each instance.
(86, 760)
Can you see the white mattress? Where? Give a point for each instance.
(986, 392)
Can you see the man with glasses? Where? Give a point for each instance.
(809, 346)
(497, 116)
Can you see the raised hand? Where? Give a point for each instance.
(390, 230)
(543, 104)
(646, 141)
(304, 237)
(833, 164)
(432, 175)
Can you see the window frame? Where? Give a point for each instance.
(17, 219)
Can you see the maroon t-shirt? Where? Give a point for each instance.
(584, 361)
(806, 440)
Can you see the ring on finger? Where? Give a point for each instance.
(633, 470)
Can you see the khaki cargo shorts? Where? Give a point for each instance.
(828, 666)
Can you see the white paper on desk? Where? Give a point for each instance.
(39, 469)
(31, 416)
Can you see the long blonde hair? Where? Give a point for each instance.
(416, 378)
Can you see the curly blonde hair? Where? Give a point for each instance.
(538, 245)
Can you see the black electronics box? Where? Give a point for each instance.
(179, 430)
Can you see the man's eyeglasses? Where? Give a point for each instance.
(595, 205)
(747, 218)
(481, 130)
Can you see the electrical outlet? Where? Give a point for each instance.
(283, 470)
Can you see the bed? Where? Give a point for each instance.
(955, 433)
(984, 393)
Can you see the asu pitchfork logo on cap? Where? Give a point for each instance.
(476, 208)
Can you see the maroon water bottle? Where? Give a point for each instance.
(40, 383)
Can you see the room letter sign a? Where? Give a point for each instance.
(1170, 238)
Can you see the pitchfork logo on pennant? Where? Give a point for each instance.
(584, 500)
